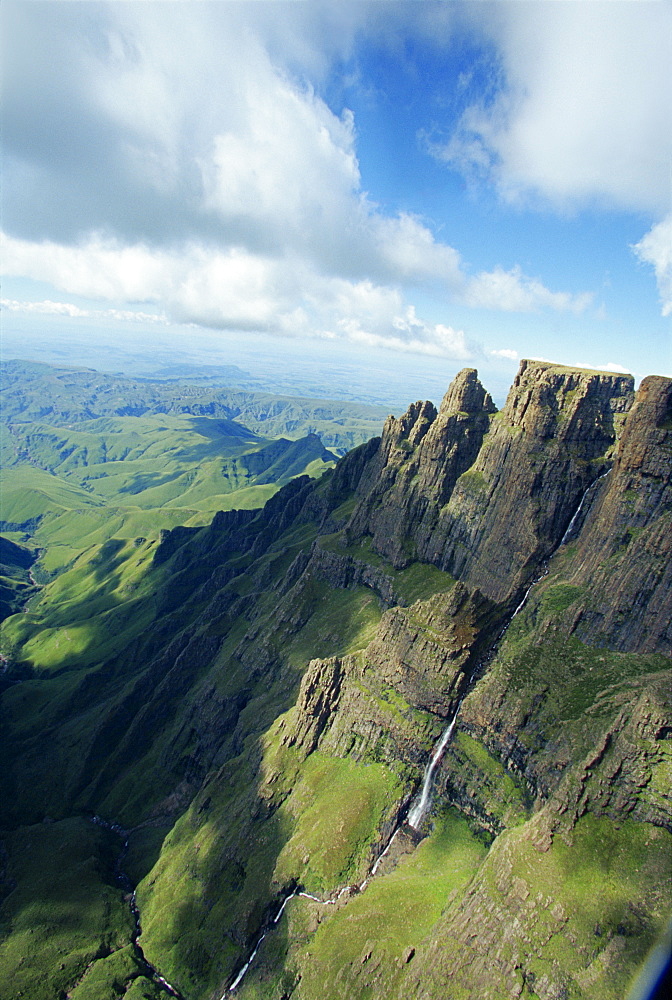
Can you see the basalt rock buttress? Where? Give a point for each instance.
(267, 724)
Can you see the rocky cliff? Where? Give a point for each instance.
(486, 496)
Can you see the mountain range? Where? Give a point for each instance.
(404, 732)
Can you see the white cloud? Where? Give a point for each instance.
(512, 291)
(609, 367)
(505, 352)
(171, 157)
(232, 290)
(412, 252)
(619, 369)
(96, 269)
(397, 330)
(45, 308)
(584, 111)
(656, 249)
(49, 308)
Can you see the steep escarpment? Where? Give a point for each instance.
(499, 501)
(626, 546)
(562, 753)
(420, 458)
(257, 701)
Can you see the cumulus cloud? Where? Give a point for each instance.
(511, 291)
(412, 252)
(505, 352)
(581, 112)
(232, 290)
(176, 155)
(656, 249)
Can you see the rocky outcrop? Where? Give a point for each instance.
(342, 570)
(420, 458)
(428, 652)
(318, 700)
(508, 513)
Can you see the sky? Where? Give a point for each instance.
(410, 187)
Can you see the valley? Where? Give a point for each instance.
(88, 457)
(254, 694)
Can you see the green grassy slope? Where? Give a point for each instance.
(16, 584)
(132, 476)
(62, 911)
(95, 677)
(266, 815)
(87, 457)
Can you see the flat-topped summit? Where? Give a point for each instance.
(541, 392)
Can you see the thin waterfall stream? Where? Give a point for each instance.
(422, 801)
(577, 513)
(338, 894)
(421, 804)
(124, 881)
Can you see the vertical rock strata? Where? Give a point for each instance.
(487, 498)
(625, 549)
(554, 437)
(420, 458)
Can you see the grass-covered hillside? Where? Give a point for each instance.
(87, 457)
(16, 583)
(63, 397)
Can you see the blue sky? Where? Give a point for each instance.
(466, 182)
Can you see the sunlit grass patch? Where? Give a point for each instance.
(337, 806)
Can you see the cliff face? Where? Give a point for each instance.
(420, 458)
(625, 548)
(488, 498)
(295, 668)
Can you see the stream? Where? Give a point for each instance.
(123, 880)
(300, 892)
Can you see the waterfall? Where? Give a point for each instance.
(523, 602)
(244, 969)
(577, 512)
(421, 804)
